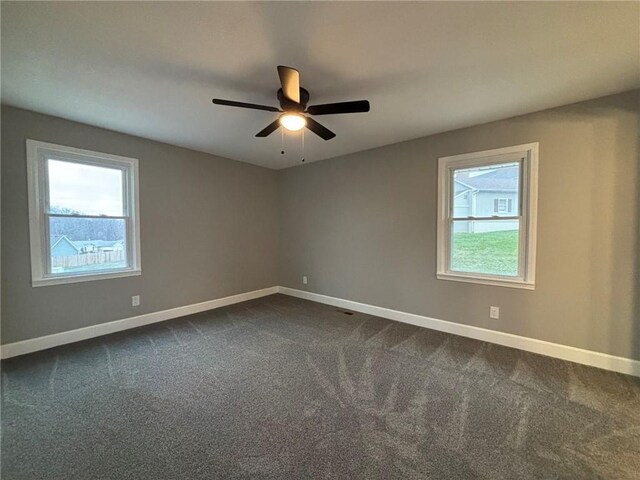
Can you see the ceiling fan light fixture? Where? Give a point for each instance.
(292, 121)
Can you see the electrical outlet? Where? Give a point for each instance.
(304, 279)
(135, 300)
(494, 312)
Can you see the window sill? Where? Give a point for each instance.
(43, 282)
(496, 282)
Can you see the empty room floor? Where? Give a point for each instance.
(286, 388)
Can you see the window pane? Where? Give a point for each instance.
(84, 189)
(487, 191)
(485, 246)
(82, 245)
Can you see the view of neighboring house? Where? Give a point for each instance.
(487, 192)
(61, 246)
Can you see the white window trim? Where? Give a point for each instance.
(528, 154)
(37, 154)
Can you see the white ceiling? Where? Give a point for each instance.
(152, 68)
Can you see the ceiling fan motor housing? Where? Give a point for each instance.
(289, 106)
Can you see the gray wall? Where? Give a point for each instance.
(208, 230)
(363, 227)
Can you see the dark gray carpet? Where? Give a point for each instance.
(284, 388)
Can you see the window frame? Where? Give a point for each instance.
(38, 191)
(527, 155)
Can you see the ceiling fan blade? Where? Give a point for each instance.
(269, 129)
(231, 103)
(320, 130)
(357, 106)
(290, 80)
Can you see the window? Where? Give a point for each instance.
(487, 217)
(83, 214)
(503, 205)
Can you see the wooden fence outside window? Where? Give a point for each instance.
(97, 258)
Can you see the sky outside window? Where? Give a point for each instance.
(86, 189)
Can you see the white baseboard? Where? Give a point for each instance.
(42, 343)
(556, 350)
(564, 352)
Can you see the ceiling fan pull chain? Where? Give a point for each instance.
(282, 141)
(303, 145)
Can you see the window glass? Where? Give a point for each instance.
(493, 190)
(79, 245)
(488, 247)
(81, 189)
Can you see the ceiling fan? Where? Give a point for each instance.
(293, 105)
